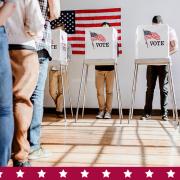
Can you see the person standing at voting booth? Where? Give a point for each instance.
(6, 110)
(50, 10)
(104, 78)
(55, 80)
(23, 28)
(161, 72)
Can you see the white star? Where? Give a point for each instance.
(84, 173)
(1, 174)
(41, 173)
(170, 174)
(20, 174)
(127, 174)
(106, 173)
(63, 173)
(149, 173)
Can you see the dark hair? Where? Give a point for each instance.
(105, 23)
(157, 19)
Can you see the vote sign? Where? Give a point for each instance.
(101, 45)
(152, 41)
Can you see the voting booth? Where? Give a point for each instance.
(100, 49)
(59, 46)
(152, 48)
(101, 45)
(152, 41)
(59, 50)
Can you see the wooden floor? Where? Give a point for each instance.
(91, 142)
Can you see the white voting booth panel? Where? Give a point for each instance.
(152, 48)
(59, 46)
(101, 45)
(152, 42)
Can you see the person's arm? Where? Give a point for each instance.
(54, 9)
(173, 43)
(6, 11)
(173, 46)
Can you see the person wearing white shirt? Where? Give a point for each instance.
(23, 28)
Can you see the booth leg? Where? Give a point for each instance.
(85, 90)
(69, 94)
(171, 83)
(133, 93)
(64, 98)
(171, 91)
(80, 90)
(118, 94)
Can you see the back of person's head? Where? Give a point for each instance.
(105, 24)
(157, 20)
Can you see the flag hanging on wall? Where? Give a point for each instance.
(75, 22)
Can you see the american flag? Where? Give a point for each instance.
(151, 35)
(97, 37)
(75, 22)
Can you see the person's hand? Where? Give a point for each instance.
(6, 10)
(54, 9)
(53, 14)
(1, 4)
(1, 22)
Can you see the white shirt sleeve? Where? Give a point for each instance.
(172, 35)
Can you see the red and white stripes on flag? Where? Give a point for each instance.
(93, 18)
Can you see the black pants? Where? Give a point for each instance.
(152, 73)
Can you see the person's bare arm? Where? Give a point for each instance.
(173, 46)
(6, 11)
(54, 9)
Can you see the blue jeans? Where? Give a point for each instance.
(37, 100)
(6, 112)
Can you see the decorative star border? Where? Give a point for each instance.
(95, 173)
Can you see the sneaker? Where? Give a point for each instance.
(146, 117)
(100, 115)
(17, 163)
(165, 118)
(107, 115)
(39, 153)
(59, 114)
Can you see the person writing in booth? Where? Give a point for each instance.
(55, 80)
(104, 78)
(162, 73)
